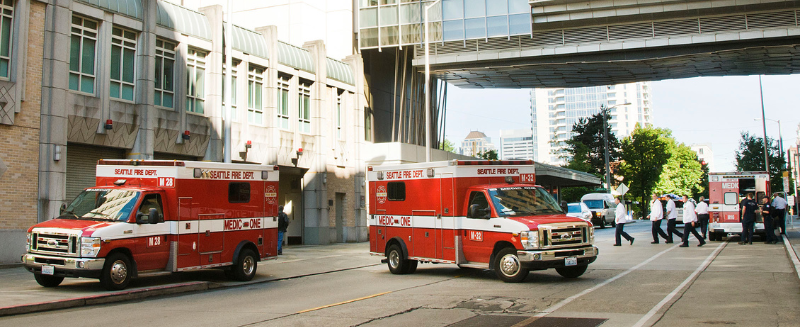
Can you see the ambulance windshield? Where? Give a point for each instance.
(102, 204)
(523, 201)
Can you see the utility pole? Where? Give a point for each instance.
(604, 110)
(764, 126)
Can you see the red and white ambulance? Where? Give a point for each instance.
(158, 217)
(481, 214)
(725, 192)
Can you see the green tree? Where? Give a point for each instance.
(578, 161)
(488, 155)
(703, 181)
(644, 153)
(682, 174)
(750, 157)
(587, 147)
(448, 146)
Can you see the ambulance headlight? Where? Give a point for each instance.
(591, 235)
(90, 246)
(530, 239)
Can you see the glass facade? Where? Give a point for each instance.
(387, 23)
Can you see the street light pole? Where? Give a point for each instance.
(764, 126)
(427, 84)
(605, 110)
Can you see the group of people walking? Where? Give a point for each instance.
(696, 216)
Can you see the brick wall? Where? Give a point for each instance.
(19, 143)
(340, 180)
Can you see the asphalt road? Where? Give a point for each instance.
(721, 283)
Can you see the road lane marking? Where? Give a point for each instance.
(792, 254)
(344, 302)
(686, 281)
(604, 283)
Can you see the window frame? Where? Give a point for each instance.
(6, 15)
(304, 108)
(234, 82)
(194, 62)
(123, 43)
(392, 190)
(80, 31)
(163, 55)
(255, 95)
(282, 106)
(240, 194)
(339, 116)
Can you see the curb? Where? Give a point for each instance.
(790, 251)
(145, 293)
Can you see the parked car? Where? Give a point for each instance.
(579, 210)
(602, 207)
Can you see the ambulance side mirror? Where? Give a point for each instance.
(63, 209)
(564, 206)
(152, 216)
(473, 211)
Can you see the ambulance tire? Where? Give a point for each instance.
(507, 266)
(712, 236)
(602, 223)
(245, 267)
(47, 280)
(397, 264)
(571, 272)
(411, 266)
(613, 224)
(117, 272)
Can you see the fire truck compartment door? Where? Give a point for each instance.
(187, 235)
(424, 234)
(210, 236)
(445, 224)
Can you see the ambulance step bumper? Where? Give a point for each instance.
(64, 266)
(546, 259)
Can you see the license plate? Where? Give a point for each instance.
(571, 261)
(48, 270)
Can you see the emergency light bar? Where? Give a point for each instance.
(493, 162)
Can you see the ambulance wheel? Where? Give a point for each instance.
(245, 267)
(712, 236)
(571, 272)
(47, 280)
(411, 266)
(613, 223)
(397, 265)
(602, 223)
(508, 267)
(116, 272)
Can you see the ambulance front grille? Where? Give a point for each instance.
(564, 235)
(55, 243)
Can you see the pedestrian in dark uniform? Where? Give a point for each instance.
(283, 223)
(702, 216)
(769, 228)
(672, 216)
(656, 216)
(749, 207)
(620, 220)
(689, 222)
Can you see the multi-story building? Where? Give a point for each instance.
(22, 39)
(705, 154)
(516, 144)
(555, 111)
(476, 143)
(143, 79)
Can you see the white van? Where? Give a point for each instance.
(602, 206)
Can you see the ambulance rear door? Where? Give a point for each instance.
(445, 224)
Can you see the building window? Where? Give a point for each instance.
(239, 192)
(195, 81)
(339, 117)
(396, 191)
(6, 28)
(368, 124)
(123, 57)
(82, 55)
(283, 103)
(255, 85)
(165, 74)
(234, 73)
(304, 108)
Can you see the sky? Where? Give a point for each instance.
(701, 110)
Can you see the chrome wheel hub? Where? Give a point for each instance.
(119, 272)
(509, 265)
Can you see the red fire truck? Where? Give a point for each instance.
(726, 191)
(480, 214)
(158, 217)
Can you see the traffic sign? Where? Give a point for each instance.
(622, 189)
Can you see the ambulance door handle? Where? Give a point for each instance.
(208, 233)
(497, 226)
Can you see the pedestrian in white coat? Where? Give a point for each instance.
(620, 220)
(656, 215)
(689, 222)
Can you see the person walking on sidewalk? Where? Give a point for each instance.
(779, 206)
(689, 222)
(620, 220)
(672, 216)
(702, 216)
(769, 229)
(748, 214)
(656, 215)
(283, 223)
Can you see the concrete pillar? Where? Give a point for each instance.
(213, 101)
(317, 210)
(145, 84)
(270, 34)
(53, 136)
(356, 63)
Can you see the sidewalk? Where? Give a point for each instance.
(20, 294)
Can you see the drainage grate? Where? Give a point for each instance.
(524, 321)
